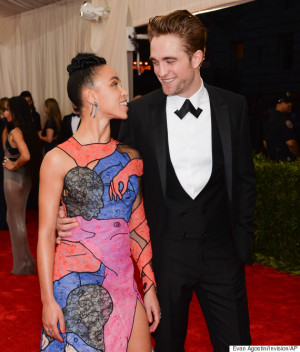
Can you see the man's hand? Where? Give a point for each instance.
(64, 224)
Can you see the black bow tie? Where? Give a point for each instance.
(188, 107)
(73, 114)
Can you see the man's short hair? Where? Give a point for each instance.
(286, 97)
(183, 24)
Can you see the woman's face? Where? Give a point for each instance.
(46, 109)
(109, 94)
(7, 113)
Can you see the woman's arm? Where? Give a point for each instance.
(18, 140)
(49, 135)
(141, 252)
(51, 185)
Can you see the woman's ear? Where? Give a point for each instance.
(88, 96)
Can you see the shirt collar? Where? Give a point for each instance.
(176, 101)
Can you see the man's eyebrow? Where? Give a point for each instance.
(115, 77)
(164, 58)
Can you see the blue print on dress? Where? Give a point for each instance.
(108, 168)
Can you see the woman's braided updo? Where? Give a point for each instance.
(81, 72)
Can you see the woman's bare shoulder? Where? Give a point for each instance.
(57, 160)
(16, 133)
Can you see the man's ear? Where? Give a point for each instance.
(197, 58)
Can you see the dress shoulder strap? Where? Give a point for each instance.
(84, 154)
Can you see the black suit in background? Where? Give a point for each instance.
(36, 120)
(66, 129)
(198, 245)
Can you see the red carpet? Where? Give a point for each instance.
(273, 304)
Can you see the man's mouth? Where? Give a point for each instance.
(169, 80)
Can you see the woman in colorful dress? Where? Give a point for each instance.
(90, 298)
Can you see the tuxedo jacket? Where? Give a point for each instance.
(146, 130)
(66, 129)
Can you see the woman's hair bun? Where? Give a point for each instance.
(84, 60)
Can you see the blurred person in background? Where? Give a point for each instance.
(34, 114)
(22, 157)
(49, 134)
(69, 125)
(279, 132)
(3, 224)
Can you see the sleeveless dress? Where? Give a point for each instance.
(93, 277)
(52, 125)
(17, 185)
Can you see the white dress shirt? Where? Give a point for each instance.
(74, 123)
(190, 142)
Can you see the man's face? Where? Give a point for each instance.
(177, 72)
(7, 113)
(285, 107)
(29, 101)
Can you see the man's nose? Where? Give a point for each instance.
(162, 71)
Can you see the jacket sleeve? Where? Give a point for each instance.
(126, 132)
(245, 187)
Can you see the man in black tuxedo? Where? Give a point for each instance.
(199, 187)
(69, 125)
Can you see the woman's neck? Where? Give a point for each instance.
(93, 131)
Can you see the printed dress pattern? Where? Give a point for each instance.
(93, 277)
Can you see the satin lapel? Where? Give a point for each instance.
(159, 130)
(222, 116)
(79, 124)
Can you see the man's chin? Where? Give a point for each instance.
(168, 90)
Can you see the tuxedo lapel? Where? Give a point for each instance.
(69, 125)
(222, 116)
(79, 123)
(159, 130)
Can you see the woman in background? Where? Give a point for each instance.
(3, 224)
(22, 157)
(51, 129)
